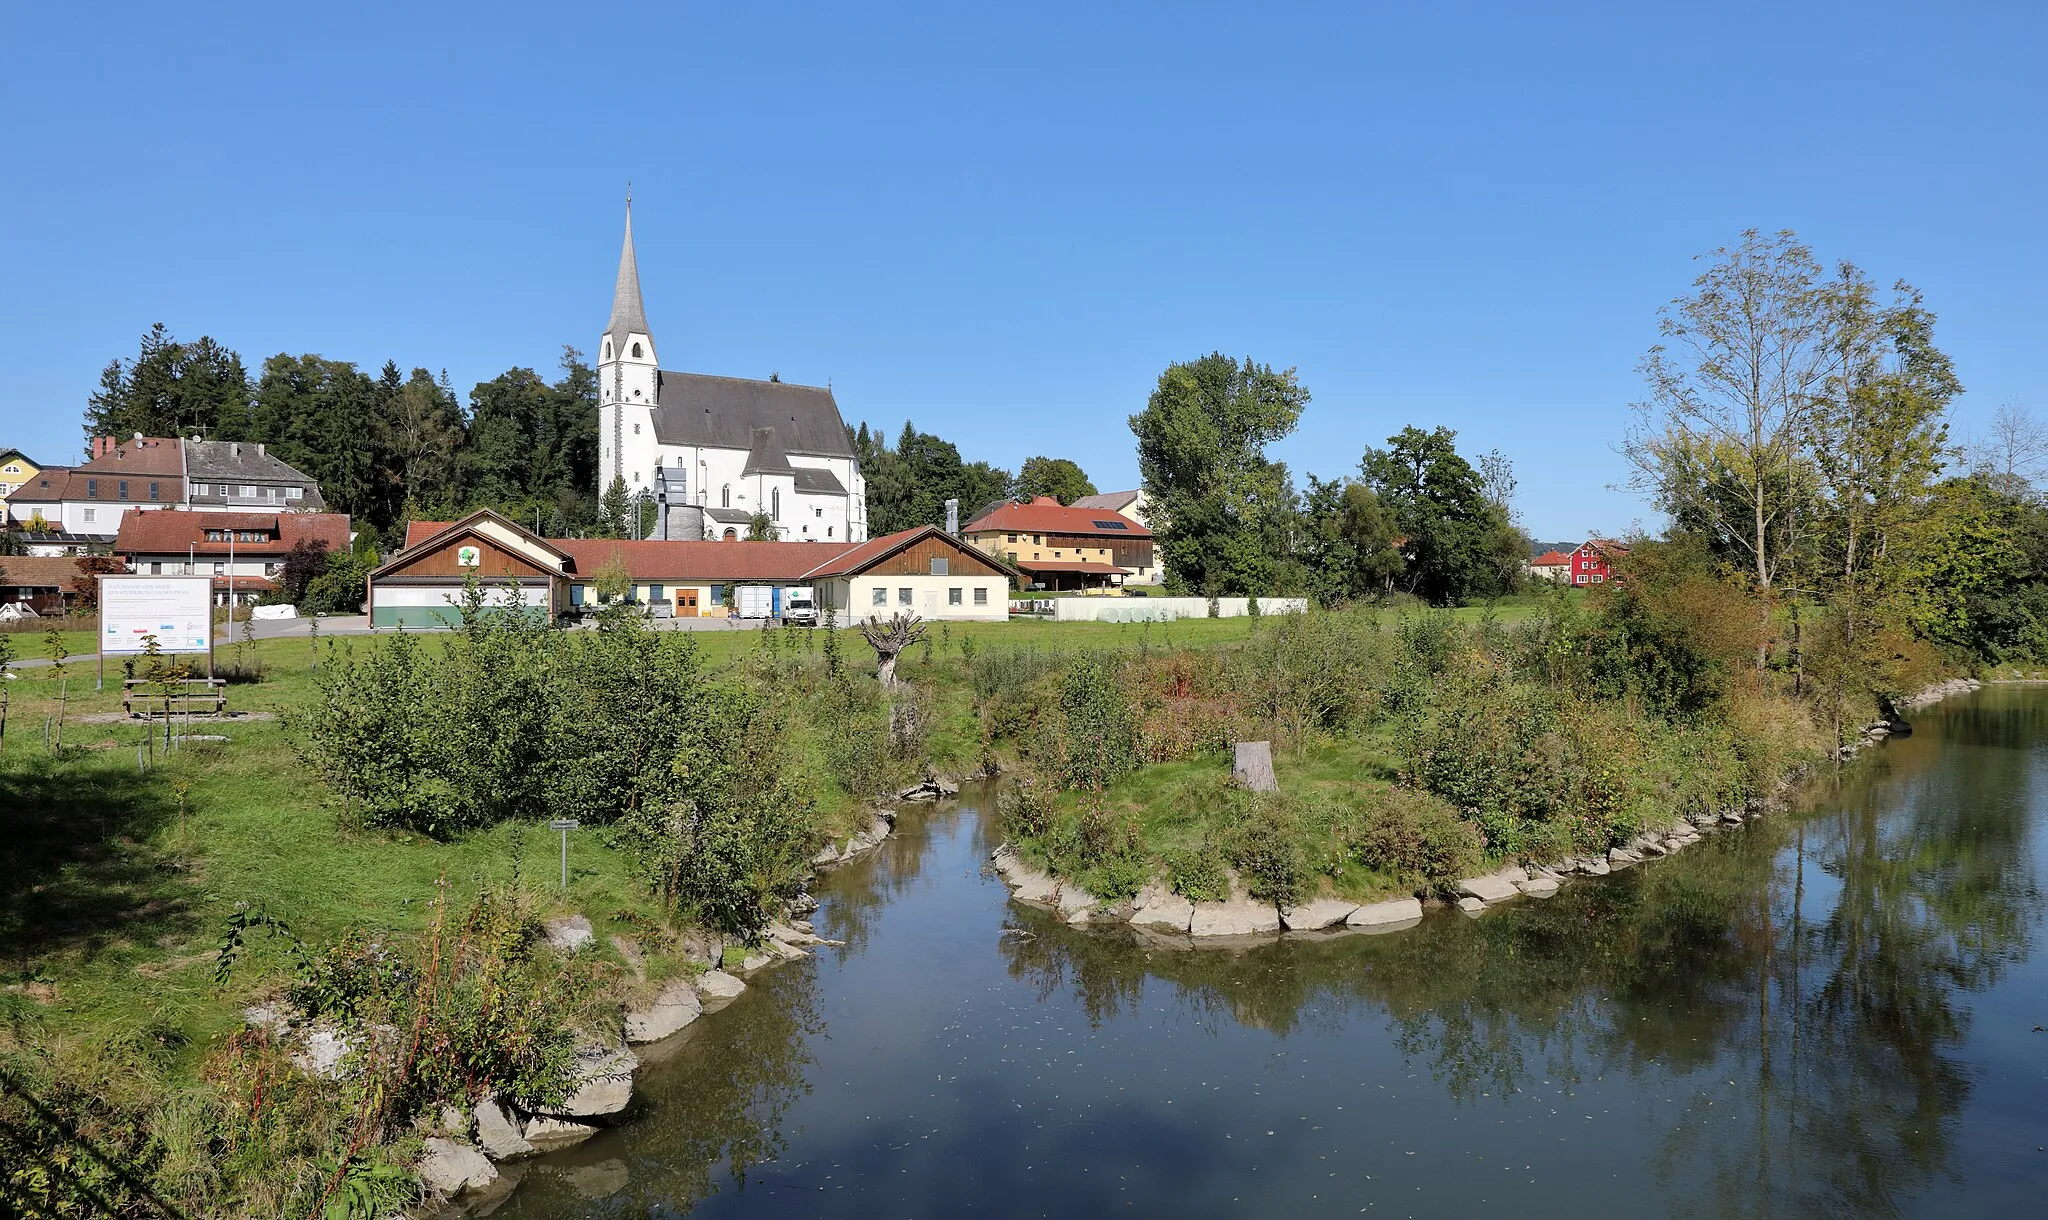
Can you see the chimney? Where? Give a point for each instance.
(259, 448)
(235, 450)
(953, 516)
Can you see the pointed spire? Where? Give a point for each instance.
(628, 315)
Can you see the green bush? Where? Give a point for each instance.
(1265, 844)
(1024, 810)
(1199, 874)
(1099, 728)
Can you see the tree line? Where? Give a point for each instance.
(1418, 517)
(384, 448)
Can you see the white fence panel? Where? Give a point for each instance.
(1164, 609)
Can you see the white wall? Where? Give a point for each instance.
(929, 597)
(1160, 609)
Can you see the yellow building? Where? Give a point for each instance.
(1059, 547)
(16, 468)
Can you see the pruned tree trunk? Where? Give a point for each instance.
(889, 640)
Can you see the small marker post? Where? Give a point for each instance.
(565, 825)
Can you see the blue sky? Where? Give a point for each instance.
(1003, 223)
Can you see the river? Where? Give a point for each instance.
(1831, 1012)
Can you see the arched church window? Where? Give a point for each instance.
(725, 497)
(607, 349)
(732, 535)
(775, 503)
(636, 351)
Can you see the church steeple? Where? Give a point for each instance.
(629, 316)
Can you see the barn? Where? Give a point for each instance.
(422, 585)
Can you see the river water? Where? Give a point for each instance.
(1828, 1013)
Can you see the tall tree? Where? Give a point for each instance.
(419, 434)
(1202, 441)
(318, 415)
(1348, 544)
(1060, 478)
(170, 389)
(1745, 358)
(1460, 543)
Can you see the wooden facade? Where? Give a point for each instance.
(916, 559)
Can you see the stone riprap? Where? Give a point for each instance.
(1387, 916)
(672, 1010)
(450, 1168)
(1317, 915)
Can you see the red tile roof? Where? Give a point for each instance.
(1550, 559)
(653, 559)
(1046, 515)
(173, 531)
(37, 571)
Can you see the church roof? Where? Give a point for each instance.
(818, 482)
(723, 412)
(629, 316)
(765, 455)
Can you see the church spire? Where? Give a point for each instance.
(628, 315)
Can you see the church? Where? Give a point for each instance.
(713, 452)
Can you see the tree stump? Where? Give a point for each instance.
(1252, 766)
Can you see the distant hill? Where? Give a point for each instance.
(1537, 548)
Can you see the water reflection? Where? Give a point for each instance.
(1806, 981)
(1781, 1021)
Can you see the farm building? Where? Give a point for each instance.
(925, 571)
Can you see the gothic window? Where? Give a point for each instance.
(775, 503)
(636, 351)
(636, 429)
(725, 496)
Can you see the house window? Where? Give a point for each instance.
(124, 489)
(981, 596)
(952, 597)
(725, 496)
(575, 595)
(941, 566)
(881, 597)
(270, 493)
(1009, 537)
(88, 516)
(272, 569)
(902, 597)
(654, 593)
(636, 429)
(817, 512)
(152, 491)
(248, 491)
(294, 493)
(718, 595)
(828, 531)
(156, 569)
(220, 569)
(775, 503)
(92, 489)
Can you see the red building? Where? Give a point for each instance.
(1590, 560)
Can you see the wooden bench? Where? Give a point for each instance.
(187, 696)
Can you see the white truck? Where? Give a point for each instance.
(755, 601)
(799, 607)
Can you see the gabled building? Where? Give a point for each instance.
(241, 475)
(713, 452)
(1591, 563)
(16, 468)
(243, 552)
(923, 571)
(1552, 565)
(1061, 547)
(141, 473)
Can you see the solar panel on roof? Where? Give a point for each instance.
(1112, 525)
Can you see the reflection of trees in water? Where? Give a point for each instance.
(855, 894)
(1806, 975)
(716, 1093)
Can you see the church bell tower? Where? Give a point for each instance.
(628, 378)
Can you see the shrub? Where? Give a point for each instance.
(1199, 874)
(1099, 730)
(1024, 810)
(1414, 837)
(1265, 844)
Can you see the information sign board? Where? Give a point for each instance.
(177, 610)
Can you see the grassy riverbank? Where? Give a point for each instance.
(1412, 753)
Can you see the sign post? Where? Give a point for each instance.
(177, 610)
(565, 825)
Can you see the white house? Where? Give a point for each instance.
(715, 451)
